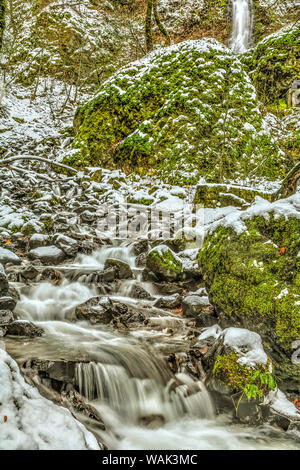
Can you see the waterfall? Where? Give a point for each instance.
(135, 399)
(242, 25)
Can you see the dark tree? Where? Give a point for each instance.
(2, 20)
(152, 9)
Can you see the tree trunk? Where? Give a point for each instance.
(2, 20)
(159, 23)
(148, 26)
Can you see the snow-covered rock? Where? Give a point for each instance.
(30, 422)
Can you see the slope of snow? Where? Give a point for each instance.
(30, 422)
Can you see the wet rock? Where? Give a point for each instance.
(51, 275)
(37, 240)
(6, 317)
(123, 269)
(141, 260)
(200, 308)
(88, 216)
(30, 272)
(14, 293)
(7, 303)
(24, 328)
(109, 274)
(66, 244)
(152, 421)
(47, 254)
(93, 311)
(169, 301)
(7, 256)
(163, 262)
(140, 247)
(61, 371)
(138, 292)
(3, 281)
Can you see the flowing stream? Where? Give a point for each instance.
(124, 377)
(241, 25)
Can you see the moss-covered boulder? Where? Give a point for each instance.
(274, 63)
(251, 269)
(188, 109)
(164, 263)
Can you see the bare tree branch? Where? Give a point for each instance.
(7, 161)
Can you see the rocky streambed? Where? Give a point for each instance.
(123, 332)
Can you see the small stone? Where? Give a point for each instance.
(68, 245)
(24, 328)
(47, 254)
(192, 305)
(6, 317)
(7, 303)
(169, 301)
(37, 240)
(123, 269)
(7, 256)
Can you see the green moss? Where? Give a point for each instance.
(274, 63)
(164, 264)
(254, 277)
(184, 115)
(253, 381)
(217, 194)
(246, 273)
(54, 201)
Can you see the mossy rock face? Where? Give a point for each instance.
(190, 110)
(163, 263)
(214, 195)
(254, 279)
(275, 63)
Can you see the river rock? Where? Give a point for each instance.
(37, 240)
(6, 317)
(7, 256)
(169, 301)
(200, 308)
(140, 247)
(7, 303)
(92, 311)
(68, 245)
(47, 254)
(24, 328)
(3, 281)
(163, 262)
(252, 276)
(30, 272)
(123, 269)
(138, 292)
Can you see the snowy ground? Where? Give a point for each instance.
(29, 421)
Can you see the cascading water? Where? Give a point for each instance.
(121, 252)
(135, 399)
(143, 405)
(241, 25)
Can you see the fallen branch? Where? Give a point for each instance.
(289, 184)
(7, 161)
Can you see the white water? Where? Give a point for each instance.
(241, 25)
(97, 259)
(49, 302)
